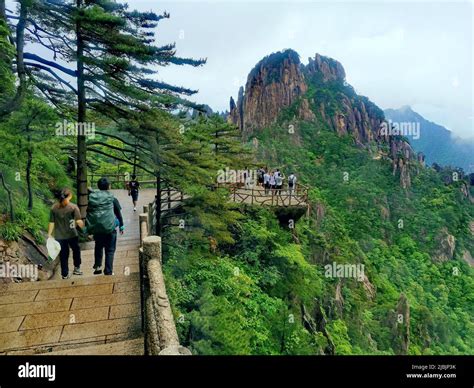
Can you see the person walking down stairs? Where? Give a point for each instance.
(133, 187)
(103, 213)
(63, 220)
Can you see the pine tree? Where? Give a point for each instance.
(110, 53)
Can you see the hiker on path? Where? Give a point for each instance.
(133, 187)
(103, 212)
(291, 183)
(266, 182)
(63, 219)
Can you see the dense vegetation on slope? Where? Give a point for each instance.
(248, 299)
(268, 293)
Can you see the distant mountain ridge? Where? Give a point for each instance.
(435, 141)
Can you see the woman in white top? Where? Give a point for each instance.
(266, 182)
(272, 181)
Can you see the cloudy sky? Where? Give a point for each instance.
(396, 53)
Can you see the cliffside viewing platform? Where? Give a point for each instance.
(268, 197)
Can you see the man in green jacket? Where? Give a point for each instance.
(103, 216)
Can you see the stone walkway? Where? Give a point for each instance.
(88, 314)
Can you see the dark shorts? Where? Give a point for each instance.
(260, 179)
(134, 195)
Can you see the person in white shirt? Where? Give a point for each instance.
(278, 182)
(291, 183)
(272, 181)
(266, 182)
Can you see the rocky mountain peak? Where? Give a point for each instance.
(275, 82)
(330, 69)
(281, 81)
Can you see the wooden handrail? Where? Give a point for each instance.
(261, 196)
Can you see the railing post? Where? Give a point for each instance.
(161, 336)
(143, 222)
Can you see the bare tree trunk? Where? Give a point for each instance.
(3, 14)
(81, 176)
(15, 102)
(29, 161)
(9, 193)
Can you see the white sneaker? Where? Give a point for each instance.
(77, 271)
(134, 209)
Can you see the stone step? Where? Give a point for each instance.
(7, 288)
(134, 347)
(84, 315)
(128, 327)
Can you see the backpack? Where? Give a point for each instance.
(100, 213)
(291, 180)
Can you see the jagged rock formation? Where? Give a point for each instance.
(446, 246)
(275, 82)
(330, 69)
(369, 288)
(315, 321)
(401, 155)
(401, 327)
(316, 91)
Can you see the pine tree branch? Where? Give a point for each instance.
(34, 57)
(119, 159)
(123, 141)
(45, 68)
(110, 146)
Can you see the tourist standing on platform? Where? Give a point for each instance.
(272, 181)
(278, 182)
(266, 182)
(260, 176)
(291, 183)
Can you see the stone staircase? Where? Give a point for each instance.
(84, 315)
